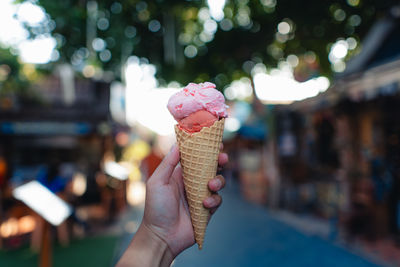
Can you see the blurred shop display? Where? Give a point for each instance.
(347, 138)
(58, 138)
(51, 210)
(252, 175)
(251, 158)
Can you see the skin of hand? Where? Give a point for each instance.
(166, 229)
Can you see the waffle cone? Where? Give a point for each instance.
(199, 160)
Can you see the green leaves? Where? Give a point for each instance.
(186, 44)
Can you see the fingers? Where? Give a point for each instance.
(222, 159)
(216, 184)
(167, 166)
(212, 202)
(165, 169)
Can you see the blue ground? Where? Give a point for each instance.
(243, 234)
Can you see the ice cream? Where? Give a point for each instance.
(200, 111)
(197, 120)
(197, 106)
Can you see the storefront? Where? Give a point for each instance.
(348, 140)
(54, 138)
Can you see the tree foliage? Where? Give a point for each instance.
(12, 77)
(186, 44)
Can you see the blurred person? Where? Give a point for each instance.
(3, 174)
(382, 180)
(53, 179)
(150, 163)
(361, 221)
(166, 229)
(3, 170)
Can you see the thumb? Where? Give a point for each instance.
(167, 166)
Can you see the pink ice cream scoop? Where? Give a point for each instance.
(197, 120)
(195, 97)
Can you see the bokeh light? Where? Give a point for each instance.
(269, 3)
(216, 9)
(339, 49)
(154, 25)
(130, 31)
(136, 193)
(232, 124)
(30, 13)
(239, 89)
(210, 26)
(141, 89)
(38, 51)
(243, 17)
(103, 24)
(79, 184)
(352, 43)
(354, 20)
(283, 27)
(338, 53)
(353, 2)
(190, 51)
(293, 60)
(339, 14)
(279, 86)
(226, 24)
(98, 44)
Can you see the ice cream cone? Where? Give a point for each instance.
(199, 160)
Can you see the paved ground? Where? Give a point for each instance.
(243, 234)
(240, 234)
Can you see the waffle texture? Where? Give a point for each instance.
(199, 160)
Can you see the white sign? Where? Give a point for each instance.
(40, 199)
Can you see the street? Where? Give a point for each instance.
(244, 234)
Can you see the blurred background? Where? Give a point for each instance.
(313, 89)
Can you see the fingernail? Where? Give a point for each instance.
(218, 183)
(209, 201)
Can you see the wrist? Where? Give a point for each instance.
(158, 245)
(146, 249)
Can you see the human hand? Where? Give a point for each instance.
(166, 210)
(166, 229)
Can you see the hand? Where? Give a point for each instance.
(166, 229)
(166, 212)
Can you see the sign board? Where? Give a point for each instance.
(40, 199)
